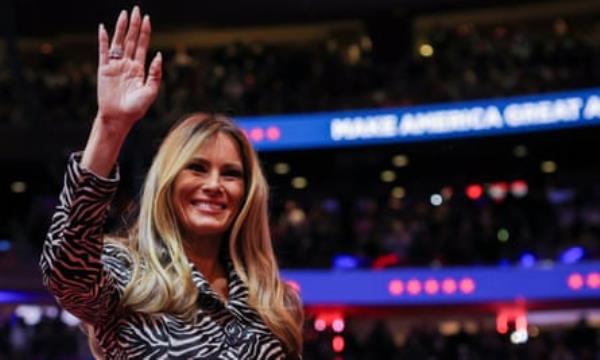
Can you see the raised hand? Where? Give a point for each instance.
(125, 91)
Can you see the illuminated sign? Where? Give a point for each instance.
(460, 285)
(424, 286)
(420, 123)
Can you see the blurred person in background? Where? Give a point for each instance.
(195, 276)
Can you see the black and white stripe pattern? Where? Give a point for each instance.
(88, 278)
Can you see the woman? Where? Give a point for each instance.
(196, 276)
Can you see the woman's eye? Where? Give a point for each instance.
(233, 173)
(196, 167)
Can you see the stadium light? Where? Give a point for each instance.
(396, 287)
(527, 259)
(519, 188)
(593, 280)
(338, 325)
(338, 343)
(467, 285)
(474, 191)
(436, 199)
(572, 255)
(385, 261)
(413, 287)
(320, 324)
(431, 286)
(449, 286)
(575, 281)
(498, 191)
(5, 245)
(345, 262)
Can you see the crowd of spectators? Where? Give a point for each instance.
(53, 339)
(560, 343)
(392, 232)
(464, 62)
(49, 339)
(467, 62)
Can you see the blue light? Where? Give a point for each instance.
(572, 255)
(15, 297)
(5, 245)
(345, 262)
(527, 260)
(423, 122)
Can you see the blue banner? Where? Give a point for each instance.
(424, 286)
(448, 286)
(422, 123)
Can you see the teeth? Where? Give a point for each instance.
(203, 205)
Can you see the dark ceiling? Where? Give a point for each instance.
(41, 17)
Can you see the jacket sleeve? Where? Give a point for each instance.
(86, 277)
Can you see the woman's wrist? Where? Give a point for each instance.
(104, 144)
(113, 125)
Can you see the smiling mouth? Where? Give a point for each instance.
(208, 206)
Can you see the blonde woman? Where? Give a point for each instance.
(196, 276)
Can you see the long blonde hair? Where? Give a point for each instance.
(161, 278)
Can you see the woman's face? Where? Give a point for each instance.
(208, 192)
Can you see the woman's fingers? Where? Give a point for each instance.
(120, 28)
(102, 45)
(143, 41)
(154, 74)
(131, 39)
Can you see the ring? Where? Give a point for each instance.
(115, 53)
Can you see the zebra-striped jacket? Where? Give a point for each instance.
(88, 277)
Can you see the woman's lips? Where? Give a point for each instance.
(208, 206)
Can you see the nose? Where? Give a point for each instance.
(212, 183)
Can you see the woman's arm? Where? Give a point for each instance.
(73, 267)
(125, 92)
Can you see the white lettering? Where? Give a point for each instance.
(592, 108)
(363, 127)
(543, 112)
(447, 121)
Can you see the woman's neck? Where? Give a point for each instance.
(204, 254)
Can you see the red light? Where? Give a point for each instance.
(396, 287)
(338, 325)
(320, 324)
(593, 280)
(338, 343)
(575, 281)
(467, 285)
(273, 133)
(474, 191)
(294, 285)
(432, 286)
(413, 287)
(384, 261)
(449, 286)
(257, 134)
(502, 323)
(505, 315)
(519, 188)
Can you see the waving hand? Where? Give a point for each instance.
(125, 91)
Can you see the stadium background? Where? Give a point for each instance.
(416, 216)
